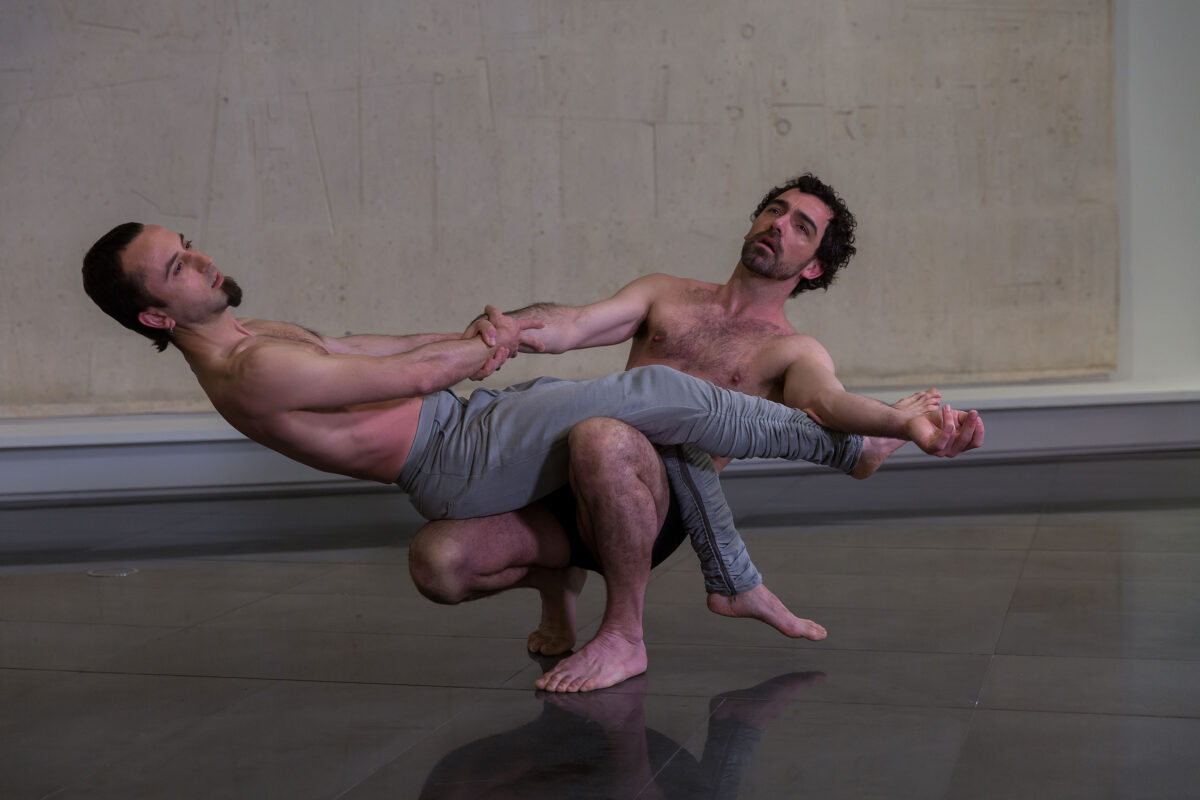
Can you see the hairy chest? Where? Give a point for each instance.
(706, 341)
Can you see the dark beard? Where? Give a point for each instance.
(232, 291)
(757, 261)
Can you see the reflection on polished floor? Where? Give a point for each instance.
(1006, 656)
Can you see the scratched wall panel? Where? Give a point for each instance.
(374, 166)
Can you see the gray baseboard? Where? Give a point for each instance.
(1032, 455)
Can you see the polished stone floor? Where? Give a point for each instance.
(277, 649)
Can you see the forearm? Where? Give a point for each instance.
(561, 332)
(441, 364)
(378, 345)
(852, 413)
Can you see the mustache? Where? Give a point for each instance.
(770, 238)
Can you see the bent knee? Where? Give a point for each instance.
(608, 454)
(438, 564)
(602, 438)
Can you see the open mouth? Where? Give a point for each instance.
(218, 280)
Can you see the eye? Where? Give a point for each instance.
(187, 245)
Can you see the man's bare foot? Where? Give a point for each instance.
(612, 711)
(604, 661)
(761, 603)
(559, 589)
(921, 402)
(877, 449)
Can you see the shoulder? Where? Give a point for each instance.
(266, 355)
(661, 287)
(661, 281)
(801, 349)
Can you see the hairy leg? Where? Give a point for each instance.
(456, 560)
(621, 490)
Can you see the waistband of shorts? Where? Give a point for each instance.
(436, 410)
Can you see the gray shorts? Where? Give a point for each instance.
(502, 449)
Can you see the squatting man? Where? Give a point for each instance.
(629, 506)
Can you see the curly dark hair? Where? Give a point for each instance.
(837, 245)
(120, 295)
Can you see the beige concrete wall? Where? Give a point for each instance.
(390, 167)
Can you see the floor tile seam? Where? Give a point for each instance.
(203, 622)
(1101, 613)
(326, 569)
(400, 754)
(1077, 551)
(653, 779)
(983, 683)
(809, 608)
(289, 680)
(1097, 658)
(892, 548)
(776, 576)
(1167, 659)
(164, 630)
(1123, 715)
(1119, 580)
(359, 632)
(1092, 714)
(816, 609)
(835, 702)
(422, 601)
(345, 632)
(126, 674)
(905, 548)
(807, 650)
(1117, 550)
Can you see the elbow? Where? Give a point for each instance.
(422, 385)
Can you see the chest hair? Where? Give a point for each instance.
(706, 341)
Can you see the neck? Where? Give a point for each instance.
(749, 292)
(211, 337)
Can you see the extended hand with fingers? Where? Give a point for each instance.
(945, 433)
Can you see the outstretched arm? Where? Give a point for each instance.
(606, 322)
(285, 378)
(811, 385)
(380, 345)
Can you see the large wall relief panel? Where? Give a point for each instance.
(381, 167)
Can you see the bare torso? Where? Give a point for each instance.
(368, 441)
(689, 329)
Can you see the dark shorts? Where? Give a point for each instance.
(561, 503)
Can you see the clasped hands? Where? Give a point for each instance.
(505, 335)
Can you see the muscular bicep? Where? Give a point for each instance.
(277, 379)
(808, 375)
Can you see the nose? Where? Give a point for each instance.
(199, 261)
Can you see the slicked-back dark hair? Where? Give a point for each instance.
(837, 245)
(120, 295)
